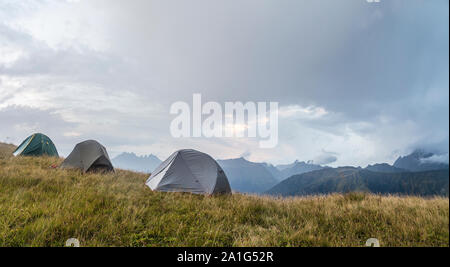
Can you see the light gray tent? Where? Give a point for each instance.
(88, 156)
(191, 171)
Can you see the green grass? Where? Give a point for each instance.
(42, 206)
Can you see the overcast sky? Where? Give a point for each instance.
(357, 82)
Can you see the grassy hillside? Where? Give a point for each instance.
(6, 150)
(42, 206)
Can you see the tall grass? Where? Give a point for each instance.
(6, 150)
(42, 206)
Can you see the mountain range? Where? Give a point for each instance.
(130, 161)
(419, 173)
(350, 179)
(384, 167)
(298, 167)
(246, 176)
(421, 160)
(416, 173)
(252, 177)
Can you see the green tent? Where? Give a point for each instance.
(36, 145)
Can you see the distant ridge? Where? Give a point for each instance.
(350, 179)
(384, 167)
(253, 177)
(298, 167)
(420, 160)
(272, 169)
(246, 176)
(130, 161)
(282, 167)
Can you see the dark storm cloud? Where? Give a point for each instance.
(361, 60)
(378, 70)
(338, 54)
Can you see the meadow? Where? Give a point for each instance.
(44, 206)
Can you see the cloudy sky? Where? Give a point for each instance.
(357, 82)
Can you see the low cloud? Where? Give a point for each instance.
(325, 158)
(443, 158)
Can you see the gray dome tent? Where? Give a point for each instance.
(191, 171)
(88, 156)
